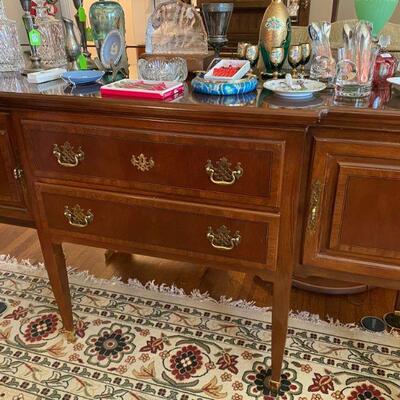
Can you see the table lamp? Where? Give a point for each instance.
(378, 12)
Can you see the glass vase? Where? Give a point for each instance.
(106, 16)
(11, 58)
(52, 48)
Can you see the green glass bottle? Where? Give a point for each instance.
(106, 16)
(275, 33)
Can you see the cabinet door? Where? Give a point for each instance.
(353, 221)
(10, 187)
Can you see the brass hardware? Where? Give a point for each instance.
(77, 217)
(222, 239)
(316, 191)
(222, 174)
(66, 156)
(18, 173)
(142, 163)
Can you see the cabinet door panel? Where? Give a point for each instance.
(10, 192)
(354, 211)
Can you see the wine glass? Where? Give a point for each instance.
(295, 58)
(277, 58)
(241, 49)
(306, 56)
(252, 54)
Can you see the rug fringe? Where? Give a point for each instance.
(26, 266)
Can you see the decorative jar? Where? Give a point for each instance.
(11, 58)
(52, 47)
(275, 32)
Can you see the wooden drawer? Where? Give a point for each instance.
(161, 227)
(159, 162)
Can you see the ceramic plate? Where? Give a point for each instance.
(112, 48)
(301, 88)
(82, 77)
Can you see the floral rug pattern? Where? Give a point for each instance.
(136, 344)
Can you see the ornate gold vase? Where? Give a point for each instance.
(275, 32)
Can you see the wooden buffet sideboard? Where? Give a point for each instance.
(255, 189)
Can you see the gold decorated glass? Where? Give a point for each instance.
(252, 54)
(295, 58)
(306, 56)
(277, 58)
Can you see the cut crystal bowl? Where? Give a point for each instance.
(163, 69)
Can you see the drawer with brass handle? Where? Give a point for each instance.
(66, 156)
(162, 227)
(227, 170)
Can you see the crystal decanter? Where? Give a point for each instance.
(11, 58)
(52, 48)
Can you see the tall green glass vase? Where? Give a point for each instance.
(378, 12)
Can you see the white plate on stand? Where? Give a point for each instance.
(300, 89)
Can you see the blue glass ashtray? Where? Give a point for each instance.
(241, 86)
(82, 77)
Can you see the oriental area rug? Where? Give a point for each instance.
(150, 342)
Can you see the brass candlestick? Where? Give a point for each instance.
(82, 28)
(294, 59)
(277, 58)
(29, 24)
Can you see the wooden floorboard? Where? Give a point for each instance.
(23, 243)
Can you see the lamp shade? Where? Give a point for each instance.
(378, 12)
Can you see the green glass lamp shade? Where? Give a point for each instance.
(378, 12)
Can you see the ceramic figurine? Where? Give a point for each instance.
(275, 32)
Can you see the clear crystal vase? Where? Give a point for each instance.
(11, 58)
(52, 48)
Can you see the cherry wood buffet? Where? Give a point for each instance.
(256, 189)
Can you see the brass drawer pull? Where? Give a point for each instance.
(222, 239)
(222, 174)
(315, 202)
(77, 217)
(66, 156)
(142, 163)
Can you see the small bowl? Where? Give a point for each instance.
(82, 77)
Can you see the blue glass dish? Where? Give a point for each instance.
(241, 86)
(82, 77)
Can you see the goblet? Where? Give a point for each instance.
(277, 58)
(294, 59)
(241, 49)
(252, 54)
(306, 56)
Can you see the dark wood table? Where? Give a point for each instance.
(256, 187)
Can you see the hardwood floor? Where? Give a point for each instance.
(23, 243)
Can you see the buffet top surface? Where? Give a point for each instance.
(15, 91)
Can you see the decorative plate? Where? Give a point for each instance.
(82, 77)
(112, 49)
(241, 86)
(299, 89)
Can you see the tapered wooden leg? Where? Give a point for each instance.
(56, 269)
(397, 304)
(280, 316)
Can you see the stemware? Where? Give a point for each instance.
(241, 49)
(305, 56)
(295, 58)
(277, 58)
(252, 54)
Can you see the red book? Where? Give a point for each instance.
(142, 89)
